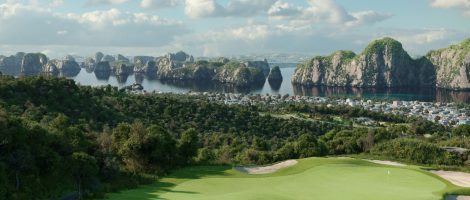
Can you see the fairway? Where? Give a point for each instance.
(312, 178)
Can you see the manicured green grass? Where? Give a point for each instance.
(312, 178)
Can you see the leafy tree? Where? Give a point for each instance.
(205, 155)
(461, 130)
(308, 146)
(188, 145)
(286, 152)
(83, 169)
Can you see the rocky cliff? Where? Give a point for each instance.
(102, 66)
(452, 65)
(181, 66)
(384, 63)
(11, 64)
(121, 69)
(262, 66)
(67, 65)
(33, 63)
(144, 64)
(238, 74)
(275, 75)
(36, 63)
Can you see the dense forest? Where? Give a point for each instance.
(60, 139)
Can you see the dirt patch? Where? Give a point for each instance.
(266, 169)
(457, 178)
(386, 162)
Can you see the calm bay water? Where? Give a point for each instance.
(287, 69)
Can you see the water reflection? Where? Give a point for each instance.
(122, 79)
(150, 83)
(69, 73)
(204, 86)
(102, 75)
(408, 94)
(275, 85)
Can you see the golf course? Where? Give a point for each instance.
(311, 178)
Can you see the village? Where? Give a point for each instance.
(447, 114)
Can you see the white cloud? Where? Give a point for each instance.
(317, 11)
(450, 3)
(202, 8)
(105, 2)
(283, 10)
(157, 4)
(32, 25)
(248, 7)
(323, 13)
(422, 37)
(367, 17)
(463, 5)
(56, 3)
(62, 32)
(326, 10)
(234, 8)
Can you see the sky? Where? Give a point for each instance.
(227, 27)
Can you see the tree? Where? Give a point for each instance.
(308, 146)
(188, 145)
(286, 152)
(83, 169)
(205, 155)
(368, 141)
(3, 181)
(461, 130)
(143, 149)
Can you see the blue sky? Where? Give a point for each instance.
(227, 27)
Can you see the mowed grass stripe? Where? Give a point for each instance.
(312, 178)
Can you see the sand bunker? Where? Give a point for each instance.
(457, 178)
(267, 169)
(386, 162)
(457, 197)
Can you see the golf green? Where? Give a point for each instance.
(312, 178)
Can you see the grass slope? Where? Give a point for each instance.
(312, 178)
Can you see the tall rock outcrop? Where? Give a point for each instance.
(68, 65)
(33, 63)
(103, 66)
(275, 75)
(121, 69)
(122, 58)
(263, 66)
(11, 65)
(144, 64)
(452, 65)
(175, 66)
(383, 63)
(50, 68)
(238, 74)
(181, 66)
(108, 58)
(98, 56)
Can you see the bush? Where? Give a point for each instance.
(416, 151)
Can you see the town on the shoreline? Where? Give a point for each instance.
(447, 114)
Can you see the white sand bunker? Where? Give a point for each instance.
(457, 197)
(266, 169)
(457, 178)
(386, 162)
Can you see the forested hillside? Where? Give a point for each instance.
(58, 138)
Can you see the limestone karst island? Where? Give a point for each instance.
(235, 100)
